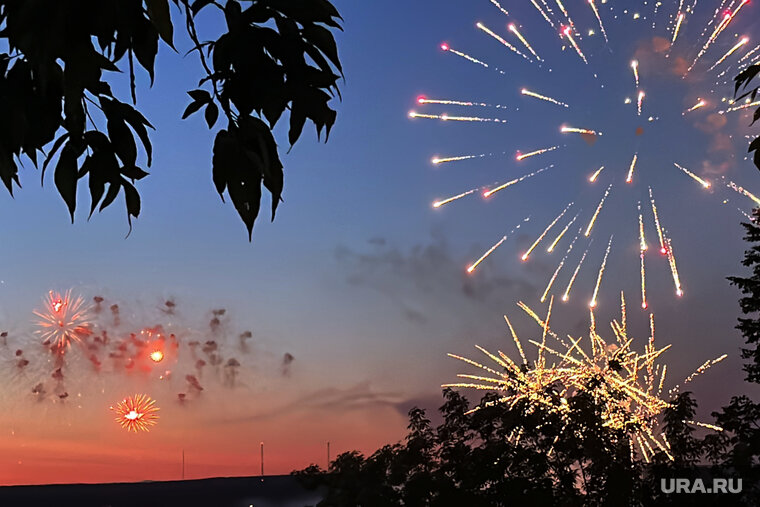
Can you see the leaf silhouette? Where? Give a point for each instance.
(273, 58)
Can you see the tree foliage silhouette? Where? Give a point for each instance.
(738, 447)
(750, 301)
(743, 81)
(56, 97)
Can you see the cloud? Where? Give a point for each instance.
(653, 58)
(712, 124)
(425, 271)
(360, 396)
(712, 169)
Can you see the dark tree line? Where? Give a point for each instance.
(477, 460)
(58, 110)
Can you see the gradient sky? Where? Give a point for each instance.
(359, 278)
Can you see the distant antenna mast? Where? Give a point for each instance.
(328, 454)
(262, 459)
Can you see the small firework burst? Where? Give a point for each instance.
(63, 319)
(627, 385)
(136, 413)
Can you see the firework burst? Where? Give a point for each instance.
(670, 34)
(136, 413)
(623, 382)
(62, 320)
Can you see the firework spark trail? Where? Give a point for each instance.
(714, 18)
(699, 371)
(623, 314)
(650, 375)
(700, 104)
(516, 340)
(594, 176)
(731, 51)
(749, 54)
(569, 34)
(635, 67)
(489, 193)
(444, 160)
(710, 40)
(546, 231)
(660, 235)
(472, 59)
(566, 295)
(523, 156)
(544, 330)
(629, 178)
(742, 4)
(438, 204)
(599, 20)
(598, 210)
(539, 9)
(565, 13)
(548, 7)
(561, 234)
(575, 130)
(673, 267)
(559, 267)
(677, 28)
(662, 380)
(491, 250)
(498, 6)
(640, 101)
(562, 8)
(529, 93)
(642, 240)
(465, 103)
(705, 184)
(643, 247)
(644, 303)
(593, 302)
(512, 28)
(739, 108)
(705, 425)
(501, 39)
(743, 191)
(746, 215)
(445, 117)
(654, 14)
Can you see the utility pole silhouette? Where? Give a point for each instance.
(262, 459)
(328, 455)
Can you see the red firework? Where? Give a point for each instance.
(62, 320)
(136, 413)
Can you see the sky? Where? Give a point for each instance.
(359, 278)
